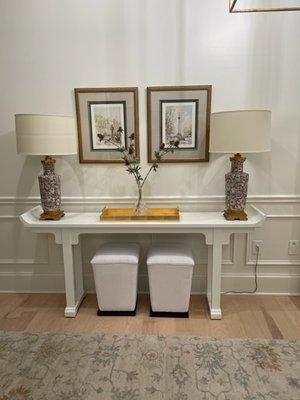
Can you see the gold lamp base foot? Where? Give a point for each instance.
(235, 215)
(52, 215)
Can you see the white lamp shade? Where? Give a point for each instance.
(45, 134)
(240, 132)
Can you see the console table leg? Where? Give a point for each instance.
(209, 275)
(78, 270)
(214, 279)
(73, 276)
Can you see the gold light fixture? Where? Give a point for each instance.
(252, 6)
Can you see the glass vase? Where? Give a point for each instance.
(140, 207)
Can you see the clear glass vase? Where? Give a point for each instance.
(140, 207)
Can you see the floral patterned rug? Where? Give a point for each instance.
(128, 367)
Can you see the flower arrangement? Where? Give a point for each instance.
(132, 162)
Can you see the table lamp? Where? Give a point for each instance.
(47, 135)
(239, 132)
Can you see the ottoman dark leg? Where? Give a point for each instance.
(118, 313)
(168, 314)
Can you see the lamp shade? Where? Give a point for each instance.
(45, 134)
(240, 131)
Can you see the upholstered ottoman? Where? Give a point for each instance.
(170, 270)
(115, 267)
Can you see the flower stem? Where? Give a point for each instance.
(161, 154)
(148, 173)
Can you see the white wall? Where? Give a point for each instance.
(49, 47)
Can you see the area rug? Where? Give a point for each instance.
(36, 366)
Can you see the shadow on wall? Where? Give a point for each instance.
(297, 182)
(260, 91)
(68, 168)
(259, 167)
(182, 39)
(13, 235)
(23, 172)
(266, 86)
(219, 166)
(24, 188)
(262, 68)
(296, 229)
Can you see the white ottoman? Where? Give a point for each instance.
(170, 270)
(115, 267)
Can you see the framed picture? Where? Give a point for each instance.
(106, 117)
(179, 113)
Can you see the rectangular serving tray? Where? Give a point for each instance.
(127, 214)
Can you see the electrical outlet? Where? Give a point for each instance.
(257, 244)
(293, 247)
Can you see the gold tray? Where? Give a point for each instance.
(127, 214)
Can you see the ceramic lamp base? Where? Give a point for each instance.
(52, 215)
(236, 187)
(235, 215)
(49, 183)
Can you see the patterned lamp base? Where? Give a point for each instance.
(49, 183)
(236, 188)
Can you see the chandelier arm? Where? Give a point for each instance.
(232, 4)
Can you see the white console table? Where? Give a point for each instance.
(212, 225)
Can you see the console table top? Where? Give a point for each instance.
(205, 219)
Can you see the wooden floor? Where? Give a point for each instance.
(275, 317)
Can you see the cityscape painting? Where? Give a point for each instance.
(179, 121)
(107, 124)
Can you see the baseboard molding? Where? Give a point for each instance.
(30, 282)
(280, 263)
(280, 284)
(31, 261)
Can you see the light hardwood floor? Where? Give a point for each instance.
(275, 317)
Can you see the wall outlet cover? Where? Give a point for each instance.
(255, 244)
(293, 247)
